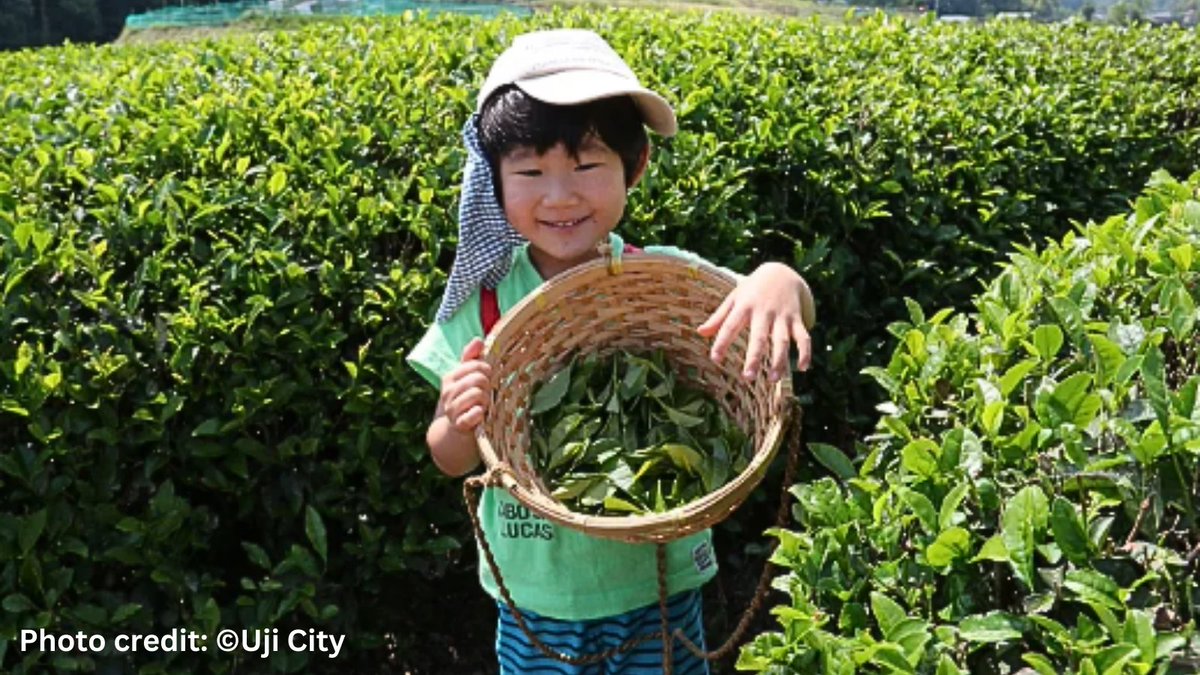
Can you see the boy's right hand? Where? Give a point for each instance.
(466, 390)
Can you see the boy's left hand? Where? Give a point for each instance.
(778, 306)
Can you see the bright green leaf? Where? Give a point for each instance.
(1047, 340)
(951, 545)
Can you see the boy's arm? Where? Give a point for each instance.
(461, 407)
(454, 452)
(446, 358)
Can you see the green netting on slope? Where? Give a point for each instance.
(228, 12)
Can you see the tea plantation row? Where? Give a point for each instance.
(1029, 498)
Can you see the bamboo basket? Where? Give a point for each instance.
(637, 303)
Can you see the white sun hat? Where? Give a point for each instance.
(571, 66)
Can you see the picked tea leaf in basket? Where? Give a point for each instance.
(621, 435)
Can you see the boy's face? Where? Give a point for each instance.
(563, 205)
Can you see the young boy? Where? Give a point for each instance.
(557, 141)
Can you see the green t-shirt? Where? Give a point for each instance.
(552, 570)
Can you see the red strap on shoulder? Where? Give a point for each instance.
(489, 308)
(489, 303)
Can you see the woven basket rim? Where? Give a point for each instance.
(650, 525)
(514, 315)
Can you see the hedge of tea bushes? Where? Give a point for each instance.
(898, 160)
(1029, 499)
(215, 254)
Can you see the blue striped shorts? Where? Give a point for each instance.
(519, 656)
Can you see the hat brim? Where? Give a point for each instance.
(571, 87)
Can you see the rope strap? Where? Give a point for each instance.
(764, 580)
(472, 487)
(471, 490)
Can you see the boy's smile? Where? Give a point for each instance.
(563, 205)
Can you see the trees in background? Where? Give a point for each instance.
(15, 18)
(30, 23)
(1129, 11)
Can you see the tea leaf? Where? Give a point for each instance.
(314, 529)
(277, 183)
(622, 476)
(1047, 340)
(565, 453)
(1108, 359)
(951, 503)
(891, 656)
(30, 530)
(833, 459)
(615, 504)
(1111, 661)
(576, 486)
(919, 457)
(565, 430)
(683, 457)
(888, 613)
(634, 383)
(1155, 382)
(1183, 314)
(992, 418)
(551, 395)
(912, 635)
(1016, 375)
(1139, 631)
(1069, 532)
(24, 358)
(1070, 402)
(946, 666)
(992, 627)
(1040, 663)
(682, 439)
(683, 419)
(922, 507)
(1094, 587)
(1023, 521)
(951, 545)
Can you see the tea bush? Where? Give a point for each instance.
(214, 257)
(1030, 496)
(214, 254)
(889, 159)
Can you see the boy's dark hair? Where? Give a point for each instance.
(511, 119)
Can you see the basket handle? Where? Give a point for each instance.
(611, 255)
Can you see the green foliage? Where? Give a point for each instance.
(214, 255)
(903, 160)
(1030, 496)
(623, 434)
(211, 272)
